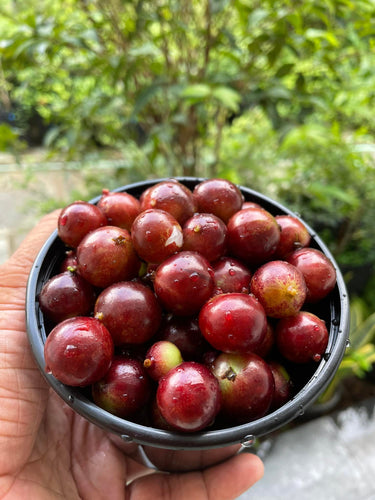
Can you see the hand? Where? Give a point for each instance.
(47, 451)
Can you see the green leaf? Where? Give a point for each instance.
(228, 97)
(357, 313)
(284, 70)
(329, 192)
(363, 334)
(196, 91)
(278, 92)
(144, 97)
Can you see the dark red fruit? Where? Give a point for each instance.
(171, 196)
(189, 397)
(66, 295)
(156, 418)
(318, 272)
(283, 385)
(250, 204)
(253, 235)
(206, 234)
(219, 197)
(78, 219)
(130, 311)
(106, 256)
(78, 351)
(184, 282)
(231, 276)
(120, 208)
(156, 235)
(124, 390)
(279, 287)
(293, 235)
(302, 338)
(265, 348)
(233, 322)
(161, 357)
(184, 332)
(69, 262)
(246, 384)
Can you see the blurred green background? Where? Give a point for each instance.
(275, 95)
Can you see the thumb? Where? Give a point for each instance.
(23, 392)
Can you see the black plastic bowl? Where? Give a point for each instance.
(334, 310)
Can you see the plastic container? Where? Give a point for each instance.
(203, 448)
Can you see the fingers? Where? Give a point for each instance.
(225, 481)
(233, 477)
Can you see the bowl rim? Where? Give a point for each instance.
(245, 433)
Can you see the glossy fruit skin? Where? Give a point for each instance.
(253, 235)
(293, 235)
(302, 338)
(78, 351)
(231, 276)
(124, 390)
(161, 357)
(206, 234)
(171, 196)
(66, 295)
(233, 322)
(120, 209)
(280, 288)
(246, 384)
(130, 311)
(106, 256)
(77, 220)
(283, 385)
(184, 332)
(189, 397)
(219, 197)
(184, 282)
(69, 262)
(265, 348)
(156, 235)
(318, 272)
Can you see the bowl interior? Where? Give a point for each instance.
(334, 310)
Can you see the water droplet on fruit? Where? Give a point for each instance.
(63, 220)
(194, 277)
(231, 272)
(126, 438)
(228, 316)
(248, 441)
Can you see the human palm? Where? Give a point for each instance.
(47, 451)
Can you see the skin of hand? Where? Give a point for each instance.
(47, 451)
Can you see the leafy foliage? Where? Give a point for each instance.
(275, 94)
